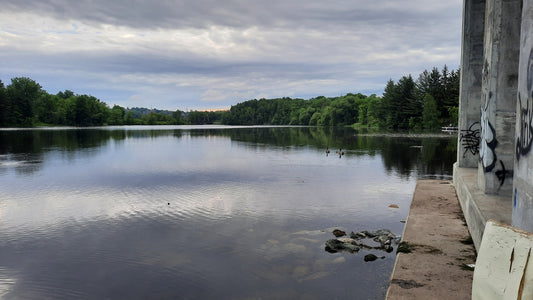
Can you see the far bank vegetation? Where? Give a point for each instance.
(428, 102)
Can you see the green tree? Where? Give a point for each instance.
(453, 111)
(129, 119)
(116, 115)
(178, 117)
(66, 94)
(89, 111)
(22, 95)
(375, 111)
(399, 103)
(430, 113)
(443, 86)
(44, 109)
(314, 118)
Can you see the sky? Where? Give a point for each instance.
(211, 54)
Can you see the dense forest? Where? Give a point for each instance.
(427, 103)
(24, 103)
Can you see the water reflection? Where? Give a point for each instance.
(24, 150)
(201, 212)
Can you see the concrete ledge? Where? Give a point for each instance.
(477, 206)
(436, 248)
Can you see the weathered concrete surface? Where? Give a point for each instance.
(523, 169)
(435, 226)
(477, 206)
(470, 90)
(499, 91)
(504, 268)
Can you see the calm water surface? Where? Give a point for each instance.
(202, 212)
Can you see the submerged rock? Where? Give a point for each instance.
(370, 257)
(351, 248)
(338, 233)
(384, 232)
(366, 234)
(384, 237)
(383, 240)
(348, 240)
(359, 235)
(335, 245)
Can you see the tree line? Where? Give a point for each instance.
(427, 103)
(24, 103)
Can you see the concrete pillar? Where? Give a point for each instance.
(499, 90)
(470, 90)
(523, 176)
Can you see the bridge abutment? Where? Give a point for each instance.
(494, 114)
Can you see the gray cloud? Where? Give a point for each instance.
(178, 54)
(239, 13)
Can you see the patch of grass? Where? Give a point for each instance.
(405, 247)
(467, 241)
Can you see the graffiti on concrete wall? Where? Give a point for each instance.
(503, 174)
(524, 139)
(470, 139)
(488, 143)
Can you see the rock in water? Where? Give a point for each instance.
(338, 233)
(370, 257)
(359, 235)
(348, 240)
(350, 247)
(334, 245)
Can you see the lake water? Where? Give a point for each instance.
(207, 212)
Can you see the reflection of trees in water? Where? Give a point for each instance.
(39, 141)
(423, 155)
(400, 154)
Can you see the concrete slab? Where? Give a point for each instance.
(477, 206)
(436, 233)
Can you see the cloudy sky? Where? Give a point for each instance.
(202, 54)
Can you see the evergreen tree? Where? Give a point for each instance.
(430, 113)
(388, 117)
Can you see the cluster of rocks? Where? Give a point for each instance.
(353, 242)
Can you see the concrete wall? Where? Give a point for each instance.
(523, 169)
(470, 89)
(493, 175)
(499, 89)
